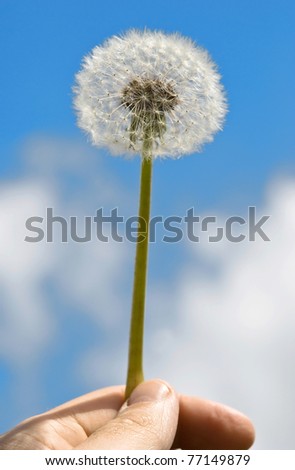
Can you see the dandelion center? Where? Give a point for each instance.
(148, 100)
(145, 95)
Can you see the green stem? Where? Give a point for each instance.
(135, 370)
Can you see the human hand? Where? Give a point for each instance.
(154, 417)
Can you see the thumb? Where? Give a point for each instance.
(148, 420)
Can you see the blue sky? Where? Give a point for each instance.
(42, 45)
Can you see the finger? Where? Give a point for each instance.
(92, 410)
(147, 421)
(204, 424)
(67, 425)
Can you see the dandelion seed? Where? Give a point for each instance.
(162, 85)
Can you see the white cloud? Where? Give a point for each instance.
(26, 323)
(232, 333)
(83, 274)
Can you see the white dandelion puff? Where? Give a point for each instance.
(149, 85)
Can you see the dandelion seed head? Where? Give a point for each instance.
(149, 83)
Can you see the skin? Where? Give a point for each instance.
(154, 417)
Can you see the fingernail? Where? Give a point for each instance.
(153, 390)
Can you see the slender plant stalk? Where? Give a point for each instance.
(135, 369)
